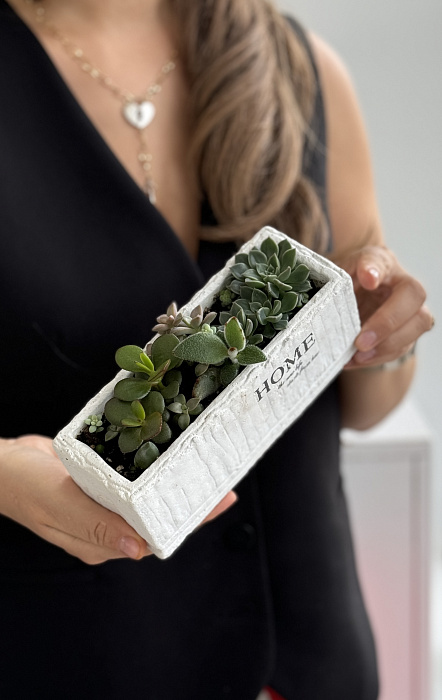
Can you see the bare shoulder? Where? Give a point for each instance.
(351, 193)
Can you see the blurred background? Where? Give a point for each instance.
(393, 51)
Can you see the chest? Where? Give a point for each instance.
(153, 151)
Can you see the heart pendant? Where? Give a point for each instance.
(139, 114)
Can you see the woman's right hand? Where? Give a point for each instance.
(37, 492)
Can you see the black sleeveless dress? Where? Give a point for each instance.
(267, 593)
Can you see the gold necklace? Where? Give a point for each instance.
(137, 111)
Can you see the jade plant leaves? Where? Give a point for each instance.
(162, 350)
(131, 389)
(129, 356)
(116, 411)
(151, 427)
(130, 440)
(147, 454)
(153, 403)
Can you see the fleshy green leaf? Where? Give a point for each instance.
(207, 384)
(289, 302)
(197, 410)
(238, 270)
(164, 435)
(131, 389)
(235, 286)
(259, 296)
(299, 274)
(116, 411)
(138, 410)
(129, 440)
(273, 290)
(204, 348)
(234, 334)
(131, 422)
(255, 284)
(193, 403)
(154, 402)
(228, 373)
(246, 292)
(147, 454)
(242, 258)
(269, 247)
(250, 355)
(162, 350)
(282, 247)
(170, 391)
(274, 262)
(183, 421)
(146, 361)
(289, 258)
(256, 257)
(175, 407)
(128, 356)
(262, 315)
(280, 325)
(152, 426)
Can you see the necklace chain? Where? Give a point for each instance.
(137, 111)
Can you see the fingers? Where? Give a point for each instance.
(223, 505)
(394, 300)
(404, 304)
(374, 266)
(88, 530)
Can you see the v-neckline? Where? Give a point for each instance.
(120, 171)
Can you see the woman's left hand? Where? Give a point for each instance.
(391, 305)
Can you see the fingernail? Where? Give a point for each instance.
(362, 357)
(130, 547)
(366, 340)
(374, 272)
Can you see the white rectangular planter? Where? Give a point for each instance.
(219, 447)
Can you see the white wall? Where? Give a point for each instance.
(393, 50)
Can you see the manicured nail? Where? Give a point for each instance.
(362, 357)
(374, 272)
(366, 341)
(130, 547)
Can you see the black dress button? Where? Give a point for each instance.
(240, 536)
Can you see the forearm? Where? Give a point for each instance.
(368, 395)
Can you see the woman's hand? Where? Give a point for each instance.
(37, 492)
(391, 305)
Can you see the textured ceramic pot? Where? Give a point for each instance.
(219, 447)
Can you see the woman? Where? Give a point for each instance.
(129, 133)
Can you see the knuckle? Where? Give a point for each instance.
(99, 533)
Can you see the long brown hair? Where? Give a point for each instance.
(252, 88)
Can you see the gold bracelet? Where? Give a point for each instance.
(393, 364)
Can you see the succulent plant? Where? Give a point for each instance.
(192, 354)
(208, 347)
(273, 269)
(138, 421)
(183, 410)
(181, 325)
(95, 423)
